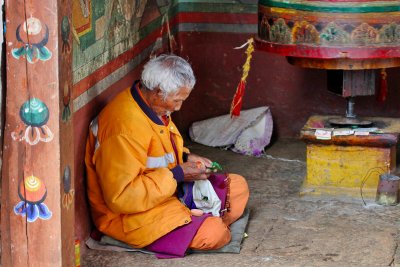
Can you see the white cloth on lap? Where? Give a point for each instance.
(205, 197)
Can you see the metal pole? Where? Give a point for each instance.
(350, 108)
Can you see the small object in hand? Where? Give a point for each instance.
(199, 164)
(196, 212)
(215, 167)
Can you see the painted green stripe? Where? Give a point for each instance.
(343, 7)
(89, 38)
(225, 6)
(218, 27)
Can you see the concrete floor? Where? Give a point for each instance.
(285, 229)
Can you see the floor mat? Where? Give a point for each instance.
(237, 231)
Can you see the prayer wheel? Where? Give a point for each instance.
(354, 37)
(351, 39)
(333, 34)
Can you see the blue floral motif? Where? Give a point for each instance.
(32, 211)
(33, 52)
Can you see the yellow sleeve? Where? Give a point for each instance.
(127, 188)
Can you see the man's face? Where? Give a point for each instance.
(173, 102)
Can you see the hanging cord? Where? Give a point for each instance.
(237, 101)
(383, 87)
(379, 171)
(170, 37)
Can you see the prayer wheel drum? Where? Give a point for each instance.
(333, 34)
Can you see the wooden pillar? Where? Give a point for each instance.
(38, 197)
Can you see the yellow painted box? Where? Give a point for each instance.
(348, 165)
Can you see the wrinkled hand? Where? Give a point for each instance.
(193, 171)
(196, 158)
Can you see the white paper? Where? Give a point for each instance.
(323, 134)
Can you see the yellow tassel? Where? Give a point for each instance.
(246, 66)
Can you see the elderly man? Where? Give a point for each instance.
(136, 164)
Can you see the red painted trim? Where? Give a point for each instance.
(83, 28)
(187, 17)
(328, 53)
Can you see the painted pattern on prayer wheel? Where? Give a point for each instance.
(334, 29)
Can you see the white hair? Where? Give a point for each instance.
(169, 73)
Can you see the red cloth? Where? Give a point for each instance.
(237, 102)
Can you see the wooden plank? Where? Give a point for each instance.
(66, 170)
(36, 152)
(389, 129)
(373, 140)
(13, 170)
(358, 82)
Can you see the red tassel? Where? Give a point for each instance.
(236, 105)
(237, 101)
(381, 96)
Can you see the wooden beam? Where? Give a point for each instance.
(37, 184)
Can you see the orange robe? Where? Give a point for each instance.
(131, 187)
